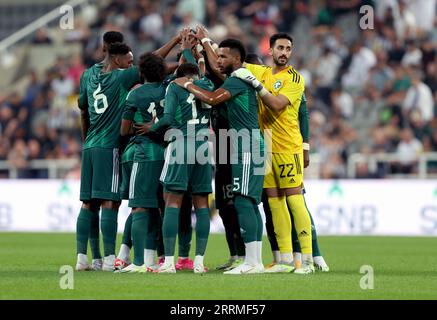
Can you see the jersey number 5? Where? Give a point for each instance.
(100, 96)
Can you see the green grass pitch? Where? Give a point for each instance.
(404, 268)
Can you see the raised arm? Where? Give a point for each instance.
(166, 48)
(202, 35)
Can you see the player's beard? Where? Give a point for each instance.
(228, 70)
(278, 62)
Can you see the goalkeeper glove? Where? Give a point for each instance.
(247, 76)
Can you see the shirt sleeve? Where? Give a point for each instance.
(129, 107)
(83, 99)
(234, 85)
(304, 120)
(171, 101)
(186, 53)
(257, 70)
(293, 90)
(131, 76)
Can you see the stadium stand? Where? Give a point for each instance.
(372, 93)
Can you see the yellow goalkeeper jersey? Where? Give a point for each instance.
(286, 136)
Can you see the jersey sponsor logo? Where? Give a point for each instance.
(277, 85)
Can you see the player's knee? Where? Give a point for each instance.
(293, 191)
(86, 205)
(113, 205)
(200, 201)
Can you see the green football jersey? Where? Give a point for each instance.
(189, 114)
(243, 111)
(93, 70)
(146, 102)
(106, 94)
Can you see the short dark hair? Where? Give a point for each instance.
(253, 58)
(234, 44)
(186, 69)
(112, 37)
(152, 67)
(118, 48)
(278, 36)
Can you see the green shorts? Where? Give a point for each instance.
(144, 184)
(99, 178)
(248, 177)
(190, 176)
(126, 169)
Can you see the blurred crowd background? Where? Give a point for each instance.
(369, 91)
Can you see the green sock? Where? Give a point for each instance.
(160, 240)
(202, 230)
(259, 220)
(314, 242)
(83, 226)
(246, 218)
(109, 230)
(185, 234)
(127, 236)
(170, 230)
(95, 236)
(153, 229)
(140, 221)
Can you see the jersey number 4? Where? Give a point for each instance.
(100, 96)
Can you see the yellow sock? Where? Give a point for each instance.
(302, 222)
(281, 223)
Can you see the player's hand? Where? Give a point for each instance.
(186, 43)
(201, 32)
(142, 129)
(183, 33)
(247, 76)
(306, 158)
(181, 82)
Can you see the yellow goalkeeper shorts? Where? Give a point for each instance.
(284, 170)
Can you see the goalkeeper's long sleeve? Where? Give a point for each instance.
(304, 120)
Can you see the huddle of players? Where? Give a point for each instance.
(184, 101)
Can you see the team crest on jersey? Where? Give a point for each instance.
(277, 85)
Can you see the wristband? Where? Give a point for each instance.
(205, 40)
(306, 146)
(201, 60)
(263, 92)
(186, 84)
